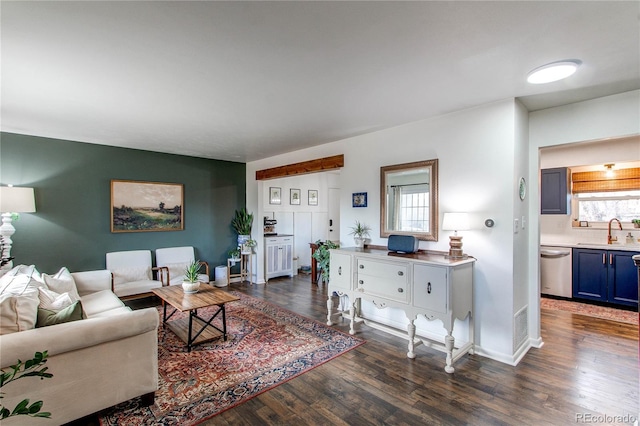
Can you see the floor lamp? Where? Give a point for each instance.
(455, 222)
(13, 200)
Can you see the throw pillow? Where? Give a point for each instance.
(51, 300)
(18, 312)
(62, 282)
(48, 317)
(132, 274)
(19, 279)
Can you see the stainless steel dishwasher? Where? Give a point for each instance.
(555, 271)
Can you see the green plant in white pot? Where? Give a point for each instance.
(242, 222)
(191, 284)
(360, 233)
(234, 255)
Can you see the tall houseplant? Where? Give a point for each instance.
(323, 258)
(242, 222)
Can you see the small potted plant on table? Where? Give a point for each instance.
(360, 233)
(191, 284)
(636, 223)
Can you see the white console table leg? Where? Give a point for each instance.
(352, 312)
(411, 329)
(449, 343)
(329, 310)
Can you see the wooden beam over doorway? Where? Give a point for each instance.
(305, 167)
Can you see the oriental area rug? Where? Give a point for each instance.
(604, 312)
(267, 345)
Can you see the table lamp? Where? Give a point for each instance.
(455, 222)
(13, 200)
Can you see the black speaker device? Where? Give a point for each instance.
(403, 243)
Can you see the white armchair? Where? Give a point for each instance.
(132, 273)
(175, 259)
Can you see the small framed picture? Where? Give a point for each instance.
(359, 199)
(313, 197)
(275, 195)
(294, 196)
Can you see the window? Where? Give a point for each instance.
(603, 206)
(414, 208)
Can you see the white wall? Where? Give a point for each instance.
(598, 119)
(476, 152)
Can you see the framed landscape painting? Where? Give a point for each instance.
(146, 206)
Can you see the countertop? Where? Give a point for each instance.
(615, 246)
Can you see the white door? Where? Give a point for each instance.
(334, 214)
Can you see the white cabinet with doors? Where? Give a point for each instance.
(278, 256)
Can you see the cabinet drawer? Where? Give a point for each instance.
(278, 240)
(392, 272)
(389, 289)
(430, 288)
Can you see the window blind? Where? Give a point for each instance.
(622, 180)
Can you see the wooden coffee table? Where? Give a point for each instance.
(184, 327)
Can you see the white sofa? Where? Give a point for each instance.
(97, 362)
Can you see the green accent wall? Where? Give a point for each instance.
(72, 182)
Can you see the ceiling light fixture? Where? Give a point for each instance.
(553, 72)
(609, 172)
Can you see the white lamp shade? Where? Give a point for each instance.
(455, 222)
(17, 200)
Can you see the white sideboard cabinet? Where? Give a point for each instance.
(424, 283)
(278, 256)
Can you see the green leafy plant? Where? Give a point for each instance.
(31, 368)
(234, 253)
(191, 271)
(322, 256)
(360, 230)
(635, 222)
(242, 221)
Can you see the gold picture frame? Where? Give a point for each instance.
(138, 206)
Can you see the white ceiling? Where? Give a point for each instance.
(242, 81)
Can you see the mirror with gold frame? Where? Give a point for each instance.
(409, 200)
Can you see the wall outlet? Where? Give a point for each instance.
(516, 226)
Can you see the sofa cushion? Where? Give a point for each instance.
(131, 274)
(136, 287)
(19, 299)
(18, 312)
(62, 282)
(100, 301)
(176, 271)
(112, 312)
(53, 301)
(48, 317)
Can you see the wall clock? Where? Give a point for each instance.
(522, 188)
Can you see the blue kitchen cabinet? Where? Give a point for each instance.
(554, 191)
(605, 276)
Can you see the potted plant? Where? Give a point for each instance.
(323, 257)
(191, 283)
(241, 223)
(636, 223)
(234, 255)
(248, 246)
(360, 233)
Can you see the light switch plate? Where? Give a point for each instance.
(516, 226)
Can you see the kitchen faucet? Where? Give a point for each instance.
(611, 239)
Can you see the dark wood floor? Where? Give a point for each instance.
(587, 367)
